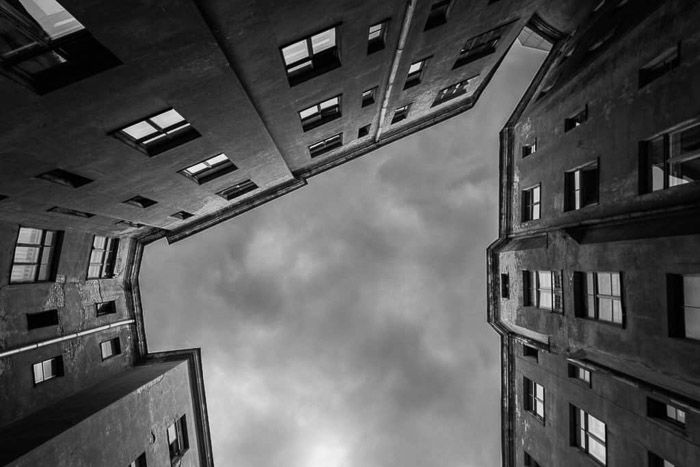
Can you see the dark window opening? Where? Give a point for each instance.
(669, 413)
(139, 461)
(531, 203)
(321, 113)
(658, 461)
(377, 37)
(438, 14)
(182, 215)
(110, 348)
(671, 159)
(237, 190)
(480, 46)
(581, 187)
(158, 133)
(683, 293)
(462, 88)
(209, 169)
(63, 177)
(42, 319)
(70, 212)
(660, 65)
(527, 458)
(363, 131)
(401, 113)
(325, 145)
(533, 396)
(140, 202)
(105, 308)
(368, 96)
(580, 373)
(529, 149)
(505, 285)
(576, 120)
(311, 56)
(530, 352)
(415, 73)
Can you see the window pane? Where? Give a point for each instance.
(29, 235)
(689, 141)
(544, 300)
(684, 172)
(295, 52)
(596, 427)
(539, 409)
(167, 119)
(38, 372)
(52, 17)
(596, 449)
(590, 306)
(22, 272)
(94, 270)
(536, 212)
(540, 391)
(306, 113)
(415, 67)
(605, 309)
(692, 322)
(615, 278)
(43, 273)
(139, 130)
(49, 368)
(329, 103)
(323, 41)
(617, 311)
(26, 254)
(172, 436)
(604, 283)
(221, 158)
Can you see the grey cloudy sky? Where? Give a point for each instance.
(344, 325)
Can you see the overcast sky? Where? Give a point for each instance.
(344, 325)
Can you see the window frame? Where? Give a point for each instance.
(667, 139)
(54, 249)
(582, 282)
(108, 257)
(113, 347)
(581, 434)
(454, 91)
(178, 446)
(438, 14)
(375, 44)
(322, 115)
(587, 193)
(677, 308)
(580, 373)
(64, 178)
(57, 370)
(108, 307)
(662, 63)
(529, 149)
(210, 173)
(414, 78)
(481, 45)
(371, 97)
(401, 113)
(238, 190)
(326, 145)
(168, 137)
(364, 131)
(576, 120)
(319, 62)
(531, 399)
(530, 206)
(533, 289)
(661, 411)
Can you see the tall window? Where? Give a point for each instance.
(415, 73)
(35, 255)
(480, 46)
(311, 56)
(543, 289)
(158, 133)
(599, 296)
(48, 369)
(177, 439)
(589, 434)
(401, 113)
(671, 159)
(531, 203)
(320, 113)
(209, 169)
(110, 348)
(581, 187)
(102, 257)
(534, 398)
(437, 15)
(325, 145)
(683, 293)
(376, 37)
(666, 412)
(464, 87)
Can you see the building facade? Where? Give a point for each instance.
(594, 278)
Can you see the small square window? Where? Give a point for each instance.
(178, 441)
(660, 65)
(368, 96)
(401, 113)
(102, 257)
(531, 203)
(580, 373)
(576, 120)
(363, 131)
(669, 413)
(140, 202)
(438, 14)
(182, 215)
(599, 296)
(158, 133)
(530, 352)
(529, 149)
(238, 190)
(311, 56)
(36, 255)
(48, 369)
(415, 73)
(581, 187)
(209, 169)
(110, 348)
(320, 113)
(65, 178)
(105, 308)
(376, 37)
(325, 145)
(70, 212)
(42, 319)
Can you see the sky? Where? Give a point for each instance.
(344, 324)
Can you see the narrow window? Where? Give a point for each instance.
(65, 178)
(70, 212)
(140, 202)
(238, 190)
(669, 413)
(480, 46)
(531, 203)
(139, 461)
(581, 187)
(325, 145)
(683, 293)
(42, 319)
(415, 73)
(660, 65)
(437, 15)
(126, 223)
(177, 439)
(363, 131)
(528, 149)
(110, 348)
(320, 113)
(36, 255)
(182, 215)
(576, 120)
(580, 373)
(102, 257)
(401, 113)
(657, 461)
(527, 458)
(377, 37)
(368, 96)
(599, 296)
(543, 289)
(158, 133)
(589, 434)
(105, 308)
(534, 398)
(505, 285)
(209, 169)
(463, 88)
(48, 369)
(311, 56)
(530, 352)
(671, 159)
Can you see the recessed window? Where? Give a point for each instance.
(671, 159)
(480, 46)
(35, 255)
(209, 169)
(48, 369)
(401, 113)
(683, 293)
(368, 96)
(158, 133)
(42, 319)
(530, 352)
(437, 15)
(110, 348)
(320, 113)
(658, 461)
(580, 373)
(660, 65)
(363, 131)
(140, 202)
(46, 48)
(464, 87)
(415, 73)
(581, 187)
(182, 215)
(128, 223)
(70, 212)
(237, 190)
(325, 145)
(599, 296)
(543, 289)
(527, 458)
(531, 203)
(598, 45)
(666, 412)
(139, 461)
(102, 257)
(529, 149)
(105, 308)
(177, 439)
(505, 286)
(576, 120)
(63, 177)
(589, 434)
(376, 39)
(311, 56)
(533, 394)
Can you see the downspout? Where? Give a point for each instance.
(405, 27)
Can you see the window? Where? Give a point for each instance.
(102, 257)
(325, 145)
(671, 159)
(105, 308)
(576, 120)
(311, 56)
(529, 351)
(527, 458)
(363, 131)
(44, 47)
(320, 113)
(237, 190)
(401, 113)
(415, 72)
(182, 215)
(158, 133)
(599, 296)
(70, 212)
(177, 439)
(63, 177)
(462, 88)
(437, 15)
(660, 65)
(42, 319)
(589, 434)
(126, 223)
(140, 202)
(110, 348)
(140, 461)
(667, 412)
(36, 255)
(683, 293)
(48, 369)
(534, 398)
(581, 187)
(480, 46)
(543, 289)
(528, 149)
(580, 373)
(209, 169)
(368, 96)
(376, 38)
(505, 285)
(658, 461)
(531, 203)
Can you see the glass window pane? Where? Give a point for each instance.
(605, 309)
(596, 449)
(218, 159)
(323, 41)
(680, 416)
(375, 28)
(195, 169)
(536, 194)
(43, 273)
(139, 130)
(539, 408)
(329, 103)
(172, 436)
(96, 256)
(48, 238)
(415, 67)
(99, 241)
(615, 278)
(689, 141)
(590, 306)
(94, 270)
(617, 311)
(692, 322)
(29, 235)
(687, 171)
(38, 373)
(306, 113)
(536, 212)
(26, 254)
(691, 290)
(596, 427)
(52, 17)
(540, 391)
(295, 52)
(544, 300)
(167, 119)
(545, 279)
(604, 283)
(49, 368)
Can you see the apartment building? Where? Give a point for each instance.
(594, 279)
